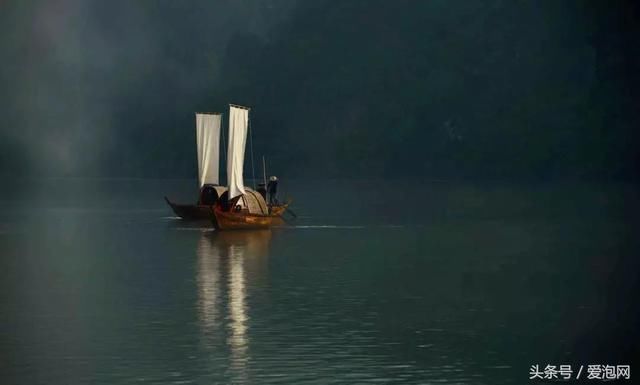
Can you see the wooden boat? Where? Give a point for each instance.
(209, 196)
(242, 208)
(248, 211)
(190, 212)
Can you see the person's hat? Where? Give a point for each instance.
(273, 178)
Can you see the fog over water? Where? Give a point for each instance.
(437, 89)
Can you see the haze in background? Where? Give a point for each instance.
(434, 89)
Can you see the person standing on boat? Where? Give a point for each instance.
(272, 190)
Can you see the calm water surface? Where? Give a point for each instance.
(380, 282)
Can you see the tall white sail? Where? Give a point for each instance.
(208, 140)
(238, 125)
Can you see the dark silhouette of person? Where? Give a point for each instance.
(272, 190)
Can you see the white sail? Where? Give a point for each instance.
(238, 125)
(208, 140)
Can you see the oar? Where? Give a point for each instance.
(287, 221)
(288, 210)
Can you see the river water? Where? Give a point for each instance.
(374, 282)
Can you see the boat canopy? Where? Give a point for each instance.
(251, 200)
(209, 194)
(208, 144)
(254, 202)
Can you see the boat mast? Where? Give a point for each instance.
(253, 169)
(264, 172)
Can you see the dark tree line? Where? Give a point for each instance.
(506, 89)
(497, 89)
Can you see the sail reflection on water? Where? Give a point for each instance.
(230, 262)
(208, 284)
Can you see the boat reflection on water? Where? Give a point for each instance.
(229, 263)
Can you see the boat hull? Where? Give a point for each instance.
(191, 212)
(227, 220)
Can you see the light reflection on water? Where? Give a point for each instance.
(221, 254)
(303, 342)
(208, 284)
